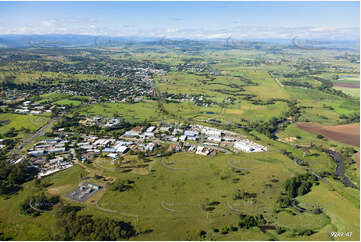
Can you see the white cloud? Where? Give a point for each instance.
(90, 26)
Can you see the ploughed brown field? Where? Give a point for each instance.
(347, 134)
(345, 84)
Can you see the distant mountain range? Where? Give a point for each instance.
(82, 41)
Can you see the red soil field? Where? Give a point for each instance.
(348, 85)
(347, 134)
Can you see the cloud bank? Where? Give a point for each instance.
(90, 26)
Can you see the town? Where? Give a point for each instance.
(52, 155)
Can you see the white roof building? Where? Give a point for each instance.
(249, 146)
(149, 146)
(148, 134)
(113, 155)
(122, 149)
(202, 151)
(150, 129)
(215, 138)
(191, 133)
(183, 138)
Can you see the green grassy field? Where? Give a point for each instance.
(134, 112)
(19, 121)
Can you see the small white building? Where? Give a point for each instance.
(35, 112)
(21, 111)
(191, 133)
(149, 147)
(122, 149)
(148, 134)
(183, 138)
(113, 155)
(150, 129)
(130, 134)
(202, 151)
(215, 139)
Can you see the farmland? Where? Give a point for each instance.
(157, 129)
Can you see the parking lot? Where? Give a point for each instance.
(84, 192)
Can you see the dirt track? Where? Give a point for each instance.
(345, 84)
(347, 134)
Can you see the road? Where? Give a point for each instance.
(17, 153)
(276, 80)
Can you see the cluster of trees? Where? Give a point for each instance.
(350, 118)
(11, 133)
(326, 86)
(270, 127)
(39, 202)
(296, 186)
(67, 122)
(299, 185)
(249, 221)
(296, 83)
(9, 145)
(242, 195)
(73, 226)
(122, 186)
(13, 176)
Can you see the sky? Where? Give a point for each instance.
(199, 20)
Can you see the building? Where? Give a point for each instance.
(36, 153)
(164, 129)
(21, 111)
(183, 138)
(131, 134)
(150, 129)
(202, 151)
(248, 146)
(215, 139)
(148, 134)
(35, 112)
(113, 155)
(109, 150)
(190, 133)
(149, 147)
(122, 149)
